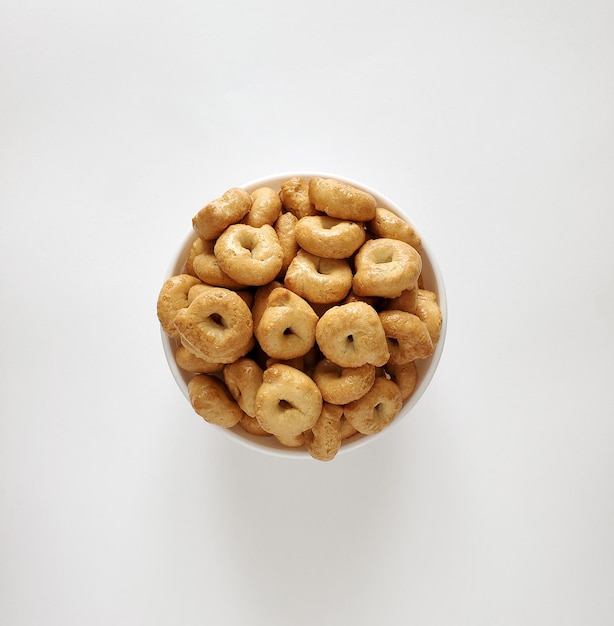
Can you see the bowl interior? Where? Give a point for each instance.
(426, 367)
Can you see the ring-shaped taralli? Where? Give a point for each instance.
(324, 439)
(318, 280)
(428, 310)
(340, 199)
(329, 237)
(243, 379)
(172, 298)
(212, 401)
(265, 209)
(340, 385)
(217, 326)
(389, 225)
(189, 362)
(287, 327)
(204, 264)
(285, 227)
(407, 336)
(288, 402)
(405, 375)
(385, 268)
(376, 409)
(352, 335)
(294, 195)
(251, 256)
(211, 221)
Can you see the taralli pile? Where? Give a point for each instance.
(300, 314)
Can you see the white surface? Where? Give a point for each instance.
(494, 504)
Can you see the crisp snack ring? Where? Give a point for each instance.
(266, 207)
(217, 326)
(329, 237)
(386, 268)
(172, 298)
(288, 402)
(286, 328)
(294, 195)
(324, 439)
(376, 409)
(388, 225)
(211, 221)
(339, 199)
(352, 335)
(340, 385)
(408, 337)
(212, 402)
(243, 379)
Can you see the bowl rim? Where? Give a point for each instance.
(428, 366)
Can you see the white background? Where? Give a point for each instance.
(492, 122)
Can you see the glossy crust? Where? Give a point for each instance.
(405, 376)
(211, 221)
(265, 209)
(243, 379)
(287, 327)
(385, 268)
(217, 326)
(339, 199)
(189, 362)
(317, 279)
(211, 400)
(389, 225)
(288, 402)
(294, 195)
(172, 298)
(203, 263)
(340, 385)
(352, 335)
(376, 409)
(408, 337)
(329, 237)
(324, 439)
(251, 256)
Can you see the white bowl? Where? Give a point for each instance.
(433, 281)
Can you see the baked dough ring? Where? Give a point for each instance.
(376, 409)
(427, 309)
(211, 221)
(191, 363)
(405, 375)
(324, 439)
(329, 237)
(172, 298)
(287, 326)
(243, 378)
(252, 426)
(251, 256)
(352, 335)
(294, 195)
(342, 200)
(204, 264)
(266, 207)
(340, 385)
(407, 335)
(217, 326)
(317, 279)
(389, 225)
(285, 227)
(386, 268)
(211, 400)
(288, 402)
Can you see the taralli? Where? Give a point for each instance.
(427, 309)
(285, 227)
(339, 199)
(191, 363)
(405, 376)
(376, 409)
(287, 327)
(329, 237)
(211, 221)
(172, 298)
(317, 279)
(204, 264)
(340, 385)
(251, 256)
(301, 314)
(265, 209)
(243, 379)
(352, 335)
(212, 402)
(288, 402)
(294, 195)
(324, 439)
(407, 335)
(387, 224)
(386, 268)
(217, 326)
